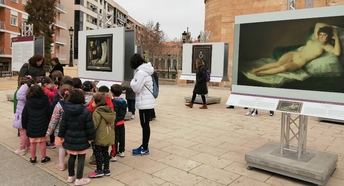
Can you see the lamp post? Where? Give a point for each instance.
(71, 30)
(168, 65)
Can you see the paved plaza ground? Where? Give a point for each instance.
(188, 146)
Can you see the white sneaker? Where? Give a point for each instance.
(82, 181)
(71, 179)
(121, 154)
(21, 152)
(132, 116)
(113, 159)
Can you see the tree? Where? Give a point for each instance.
(151, 40)
(42, 15)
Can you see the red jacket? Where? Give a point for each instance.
(108, 102)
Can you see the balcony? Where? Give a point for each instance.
(2, 25)
(2, 3)
(60, 41)
(60, 8)
(61, 24)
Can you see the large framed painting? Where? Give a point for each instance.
(99, 52)
(203, 52)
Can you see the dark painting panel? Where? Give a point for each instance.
(99, 53)
(203, 52)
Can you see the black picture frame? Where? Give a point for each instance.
(204, 52)
(99, 52)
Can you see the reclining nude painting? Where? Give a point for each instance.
(302, 54)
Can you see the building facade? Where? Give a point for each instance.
(95, 14)
(220, 15)
(60, 46)
(12, 15)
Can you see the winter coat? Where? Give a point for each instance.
(32, 70)
(140, 84)
(55, 120)
(201, 83)
(120, 109)
(35, 116)
(76, 127)
(57, 67)
(108, 102)
(103, 119)
(21, 99)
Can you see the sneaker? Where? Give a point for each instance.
(45, 159)
(271, 113)
(254, 112)
(121, 154)
(34, 160)
(96, 174)
(107, 172)
(71, 179)
(132, 116)
(113, 158)
(21, 152)
(82, 181)
(140, 151)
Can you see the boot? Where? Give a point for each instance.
(204, 107)
(189, 105)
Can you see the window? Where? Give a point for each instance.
(14, 20)
(14, 1)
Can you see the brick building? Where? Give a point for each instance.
(220, 15)
(12, 15)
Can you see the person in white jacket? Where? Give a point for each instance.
(142, 85)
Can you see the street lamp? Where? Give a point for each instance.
(168, 66)
(71, 30)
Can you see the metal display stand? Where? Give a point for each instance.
(288, 133)
(293, 160)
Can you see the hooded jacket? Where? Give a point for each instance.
(140, 84)
(76, 127)
(36, 116)
(103, 119)
(21, 97)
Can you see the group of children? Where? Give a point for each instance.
(78, 115)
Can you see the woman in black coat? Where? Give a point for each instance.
(56, 65)
(201, 87)
(34, 68)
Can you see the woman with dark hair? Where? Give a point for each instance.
(142, 85)
(35, 68)
(56, 65)
(201, 84)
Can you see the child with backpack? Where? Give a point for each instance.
(76, 130)
(35, 119)
(103, 119)
(120, 105)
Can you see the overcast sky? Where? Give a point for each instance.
(174, 16)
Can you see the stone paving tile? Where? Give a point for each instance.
(181, 151)
(208, 183)
(178, 177)
(137, 177)
(241, 168)
(211, 160)
(215, 174)
(244, 181)
(143, 163)
(180, 162)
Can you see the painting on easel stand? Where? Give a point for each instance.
(99, 52)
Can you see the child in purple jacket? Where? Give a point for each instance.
(24, 143)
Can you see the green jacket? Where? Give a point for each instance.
(103, 119)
